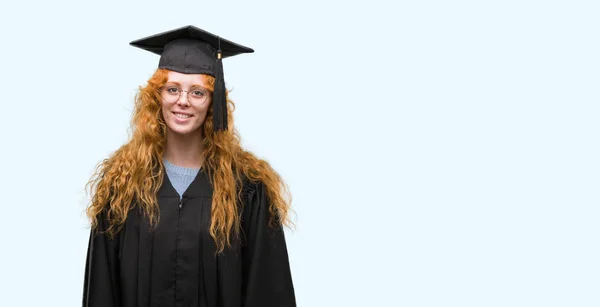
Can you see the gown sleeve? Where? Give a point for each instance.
(267, 279)
(101, 268)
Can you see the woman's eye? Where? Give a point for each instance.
(198, 93)
(173, 90)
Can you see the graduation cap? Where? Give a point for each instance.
(191, 50)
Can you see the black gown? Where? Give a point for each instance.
(175, 265)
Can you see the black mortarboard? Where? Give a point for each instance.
(191, 50)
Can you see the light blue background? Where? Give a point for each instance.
(440, 153)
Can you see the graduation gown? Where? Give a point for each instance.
(175, 264)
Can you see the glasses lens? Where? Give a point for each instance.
(170, 93)
(198, 96)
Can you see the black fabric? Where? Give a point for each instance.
(219, 100)
(175, 264)
(188, 56)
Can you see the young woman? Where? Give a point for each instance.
(182, 215)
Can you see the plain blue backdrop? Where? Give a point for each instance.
(440, 153)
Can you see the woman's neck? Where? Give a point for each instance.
(184, 150)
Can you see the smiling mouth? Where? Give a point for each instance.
(181, 115)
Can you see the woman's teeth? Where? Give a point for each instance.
(182, 115)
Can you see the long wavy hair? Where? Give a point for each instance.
(133, 174)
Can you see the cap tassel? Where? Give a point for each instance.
(219, 101)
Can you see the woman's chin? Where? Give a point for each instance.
(183, 130)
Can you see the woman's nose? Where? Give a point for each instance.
(183, 99)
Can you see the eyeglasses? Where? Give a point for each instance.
(196, 95)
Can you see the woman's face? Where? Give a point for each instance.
(185, 103)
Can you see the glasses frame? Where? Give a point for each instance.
(187, 95)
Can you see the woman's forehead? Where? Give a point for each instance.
(186, 79)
